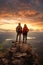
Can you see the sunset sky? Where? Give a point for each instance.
(24, 11)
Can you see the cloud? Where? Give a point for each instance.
(32, 10)
(25, 1)
(31, 13)
(13, 7)
(39, 18)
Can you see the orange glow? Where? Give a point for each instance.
(33, 12)
(11, 24)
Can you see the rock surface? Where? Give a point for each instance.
(20, 54)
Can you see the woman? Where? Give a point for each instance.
(25, 31)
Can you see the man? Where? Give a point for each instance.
(25, 31)
(19, 31)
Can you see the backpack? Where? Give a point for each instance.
(25, 30)
(19, 29)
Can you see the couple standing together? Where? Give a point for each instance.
(23, 31)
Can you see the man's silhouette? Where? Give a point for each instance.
(19, 31)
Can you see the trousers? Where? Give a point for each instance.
(18, 37)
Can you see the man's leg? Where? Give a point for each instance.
(17, 37)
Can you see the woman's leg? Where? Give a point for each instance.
(26, 38)
(23, 38)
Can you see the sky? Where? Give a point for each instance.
(28, 12)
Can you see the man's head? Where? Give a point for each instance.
(19, 24)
